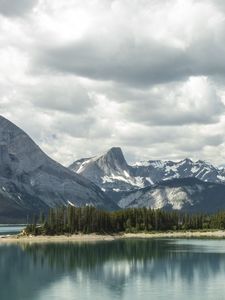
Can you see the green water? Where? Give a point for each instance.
(126, 269)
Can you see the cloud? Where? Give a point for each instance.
(144, 50)
(192, 102)
(138, 65)
(82, 76)
(63, 94)
(12, 8)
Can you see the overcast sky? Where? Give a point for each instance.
(81, 76)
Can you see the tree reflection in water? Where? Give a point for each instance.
(26, 269)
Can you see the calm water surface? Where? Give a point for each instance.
(132, 269)
(10, 229)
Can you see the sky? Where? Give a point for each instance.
(82, 76)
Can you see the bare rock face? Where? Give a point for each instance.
(30, 181)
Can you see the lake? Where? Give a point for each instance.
(124, 269)
(10, 229)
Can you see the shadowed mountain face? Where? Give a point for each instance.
(30, 181)
(184, 185)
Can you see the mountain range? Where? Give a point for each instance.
(31, 182)
(183, 185)
(111, 172)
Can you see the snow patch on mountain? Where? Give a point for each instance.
(221, 178)
(194, 169)
(82, 166)
(133, 181)
(150, 180)
(70, 203)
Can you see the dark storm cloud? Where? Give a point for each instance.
(12, 8)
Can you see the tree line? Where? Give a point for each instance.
(73, 220)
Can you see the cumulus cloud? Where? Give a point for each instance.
(83, 76)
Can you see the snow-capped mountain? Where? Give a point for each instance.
(111, 172)
(30, 181)
(187, 194)
(165, 170)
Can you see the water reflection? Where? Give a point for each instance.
(124, 269)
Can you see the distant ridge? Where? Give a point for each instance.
(157, 184)
(111, 171)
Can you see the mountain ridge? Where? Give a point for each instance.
(182, 185)
(143, 173)
(31, 181)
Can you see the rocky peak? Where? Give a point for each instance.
(112, 162)
(187, 161)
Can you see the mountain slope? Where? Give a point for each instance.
(31, 181)
(189, 194)
(111, 172)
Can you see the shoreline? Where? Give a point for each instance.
(218, 234)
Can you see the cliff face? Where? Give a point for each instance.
(30, 181)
